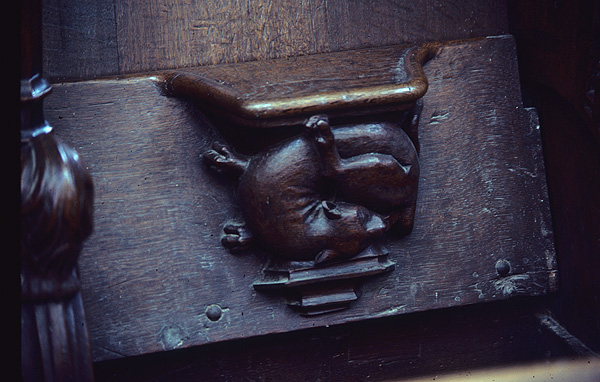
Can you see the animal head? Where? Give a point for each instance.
(351, 226)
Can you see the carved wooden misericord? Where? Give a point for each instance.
(320, 201)
(156, 267)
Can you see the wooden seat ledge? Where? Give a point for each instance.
(282, 90)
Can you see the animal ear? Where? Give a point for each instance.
(330, 210)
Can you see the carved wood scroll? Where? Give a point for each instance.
(320, 201)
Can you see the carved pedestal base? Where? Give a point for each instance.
(313, 290)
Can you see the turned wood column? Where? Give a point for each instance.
(56, 218)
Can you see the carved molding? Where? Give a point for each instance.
(309, 89)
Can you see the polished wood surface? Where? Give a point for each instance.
(289, 91)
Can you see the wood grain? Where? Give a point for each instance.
(154, 263)
(93, 39)
(79, 39)
(385, 349)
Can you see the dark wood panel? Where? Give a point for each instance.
(89, 39)
(558, 47)
(359, 24)
(559, 54)
(460, 339)
(79, 39)
(154, 263)
(573, 162)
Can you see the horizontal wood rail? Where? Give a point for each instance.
(359, 82)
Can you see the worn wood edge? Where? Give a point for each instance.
(532, 119)
(549, 324)
(208, 91)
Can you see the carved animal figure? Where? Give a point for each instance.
(325, 195)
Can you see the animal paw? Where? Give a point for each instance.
(221, 159)
(237, 237)
(318, 126)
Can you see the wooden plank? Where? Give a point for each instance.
(361, 24)
(79, 39)
(100, 39)
(386, 349)
(184, 34)
(154, 264)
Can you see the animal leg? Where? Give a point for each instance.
(237, 237)
(318, 127)
(221, 159)
(375, 180)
